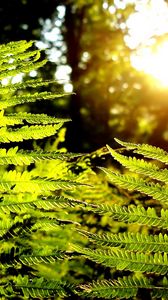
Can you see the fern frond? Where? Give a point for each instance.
(126, 260)
(130, 241)
(140, 166)
(19, 118)
(147, 151)
(26, 157)
(12, 61)
(33, 83)
(47, 203)
(134, 214)
(122, 288)
(5, 226)
(156, 191)
(28, 132)
(21, 68)
(41, 288)
(27, 98)
(30, 260)
(22, 182)
(13, 48)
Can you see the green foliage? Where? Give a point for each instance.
(142, 249)
(36, 219)
(56, 214)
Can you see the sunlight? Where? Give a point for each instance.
(144, 26)
(154, 63)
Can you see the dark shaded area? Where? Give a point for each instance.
(19, 19)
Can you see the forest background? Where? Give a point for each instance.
(85, 43)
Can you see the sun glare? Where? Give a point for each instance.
(148, 22)
(154, 63)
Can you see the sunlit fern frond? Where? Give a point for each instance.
(130, 241)
(22, 182)
(20, 118)
(122, 288)
(123, 259)
(28, 98)
(146, 150)
(41, 288)
(28, 132)
(26, 157)
(134, 214)
(155, 190)
(141, 166)
(45, 203)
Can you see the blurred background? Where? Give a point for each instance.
(112, 54)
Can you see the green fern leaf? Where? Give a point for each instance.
(134, 214)
(26, 157)
(22, 182)
(27, 98)
(140, 166)
(28, 132)
(41, 288)
(123, 288)
(147, 151)
(126, 260)
(15, 119)
(47, 203)
(132, 183)
(130, 241)
(30, 260)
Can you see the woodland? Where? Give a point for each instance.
(83, 155)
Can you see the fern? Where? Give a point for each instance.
(135, 214)
(27, 157)
(140, 166)
(45, 203)
(19, 118)
(41, 288)
(126, 260)
(142, 254)
(147, 151)
(124, 288)
(130, 241)
(28, 98)
(36, 216)
(132, 183)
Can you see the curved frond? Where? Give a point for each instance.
(126, 260)
(26, 157)
(140, 166)
(45, 203)
(156, 191)
(122, 288)
(147, 151)
(134, 214)
(30, 260)
(22, 182)
(27, 98)
(28, 132)
(130, 241)
(19, 118)
(33, 83)
(41, 288)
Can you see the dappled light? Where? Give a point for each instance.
(145, 26)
